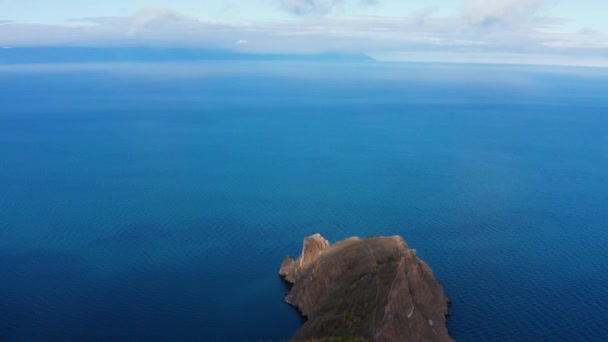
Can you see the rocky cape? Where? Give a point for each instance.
(373, 289)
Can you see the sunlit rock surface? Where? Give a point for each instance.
(372, 289)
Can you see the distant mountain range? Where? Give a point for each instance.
(36, 55)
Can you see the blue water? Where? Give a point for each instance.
(156, 202)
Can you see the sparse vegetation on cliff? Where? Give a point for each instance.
(374, 288)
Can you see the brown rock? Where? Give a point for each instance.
(376, 289)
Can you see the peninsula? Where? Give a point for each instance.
(373, 289)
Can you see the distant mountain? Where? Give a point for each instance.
(32, 55)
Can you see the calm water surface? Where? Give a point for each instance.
(156, 202)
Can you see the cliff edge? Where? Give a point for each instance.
(373, 289)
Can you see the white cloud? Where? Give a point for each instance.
(150, 15)
(490, 28)
(305, 7)
(320, 7)
(509, 13)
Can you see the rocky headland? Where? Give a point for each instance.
(373, 289)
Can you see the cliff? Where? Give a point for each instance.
(372, 289)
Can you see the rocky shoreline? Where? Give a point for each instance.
(373, 289)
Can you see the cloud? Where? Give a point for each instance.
(419, 17)
(369, 2)
(319, 7)
(5, 22)
(509, 13)
(483, 28)
(307, 7)
(151, 15)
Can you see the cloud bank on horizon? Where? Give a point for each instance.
(495, 31)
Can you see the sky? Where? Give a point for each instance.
(488, 31)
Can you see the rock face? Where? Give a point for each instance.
(372, 289)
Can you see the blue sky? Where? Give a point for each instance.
(501, 31)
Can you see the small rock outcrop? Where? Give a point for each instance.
(373, 289)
